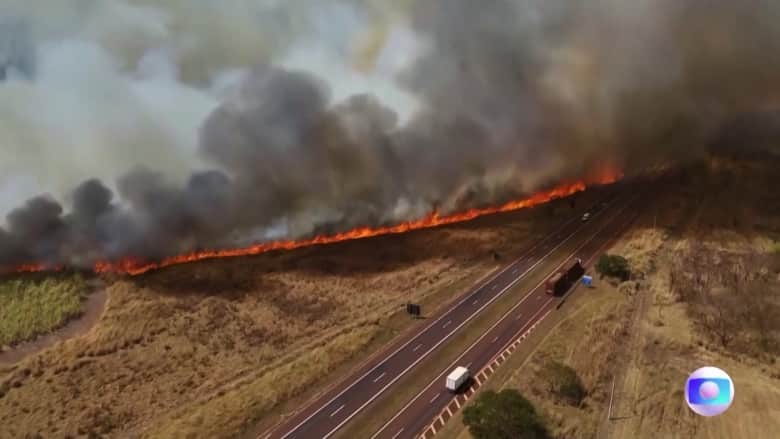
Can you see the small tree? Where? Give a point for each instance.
(613, 266)
(564, 382)
(503, 415)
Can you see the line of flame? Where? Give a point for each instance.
(136, 266)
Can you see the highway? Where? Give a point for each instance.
(431, 400)
(332, 410)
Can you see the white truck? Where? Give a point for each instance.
(456, 378)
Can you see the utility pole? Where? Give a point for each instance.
(611, 394)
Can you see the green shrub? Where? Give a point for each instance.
(503, 415)
(564, 382)
(614, 266)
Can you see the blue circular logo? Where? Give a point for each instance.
(709, 391)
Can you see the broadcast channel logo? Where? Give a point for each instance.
(709, 391)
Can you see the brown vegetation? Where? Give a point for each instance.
(732, 298)
(209, 349)
(705, 271)
(713, 300)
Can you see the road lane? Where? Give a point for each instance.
(327, 415)
(417, 414)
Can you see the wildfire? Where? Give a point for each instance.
(34, 268)
(134, 266)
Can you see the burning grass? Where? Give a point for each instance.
(208, 349)
(719, 221)
(134, 266)
(30, 307)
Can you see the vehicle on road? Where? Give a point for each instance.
(561, 281)
(555, 284)
(585, 217)
(457, 378)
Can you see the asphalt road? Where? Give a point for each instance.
(336, 407)
(431, 400)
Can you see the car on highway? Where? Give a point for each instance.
(585, 217)
(457, 378)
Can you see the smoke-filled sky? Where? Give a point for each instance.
(158, 126)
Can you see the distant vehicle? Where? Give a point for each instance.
(456, 378)
(561, 281)
(585, 216)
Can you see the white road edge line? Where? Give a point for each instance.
(476, 377)
(504, 316)
(419, 334)
(470, 317)
(522, 333)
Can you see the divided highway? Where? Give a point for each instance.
(430, 401)
(336, 407)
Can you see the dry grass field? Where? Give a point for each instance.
(224, 347)
(721, 220)
(211, 349)
(713, 300)
(585, 341)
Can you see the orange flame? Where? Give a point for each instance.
(135, 266)
(35, 268)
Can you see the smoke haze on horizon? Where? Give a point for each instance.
(290, 118)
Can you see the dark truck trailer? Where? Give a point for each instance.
(560, 282)
(575, 271)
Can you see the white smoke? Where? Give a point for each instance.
(94, 88)
(291, 118)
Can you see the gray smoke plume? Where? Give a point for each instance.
(205, 126)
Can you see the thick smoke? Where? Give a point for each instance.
(203, 124)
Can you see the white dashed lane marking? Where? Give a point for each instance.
(337, 410)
